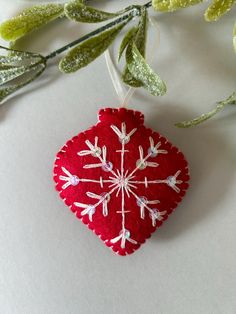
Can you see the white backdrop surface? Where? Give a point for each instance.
(49, 262)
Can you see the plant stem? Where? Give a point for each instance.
(133, 11)
(231, 100)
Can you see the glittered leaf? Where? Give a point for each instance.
(128, 38)
(79, 12)
(172, 5)
(15, 57)
(127, 77)
(35, 70)
(89, 50)
(11, 72)
(141, 37)
(10, 59)
(11, 69)
(140, 42)
(29, 20)
(142, 72)
(5, 67)
(7, 75)
(217, 9)
(220, 106)
(18, 69)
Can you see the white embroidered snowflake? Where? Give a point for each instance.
(121, 182)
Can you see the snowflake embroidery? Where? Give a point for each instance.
(121, 182)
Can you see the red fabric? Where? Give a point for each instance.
(74, 157)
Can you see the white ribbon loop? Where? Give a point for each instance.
(124, 95)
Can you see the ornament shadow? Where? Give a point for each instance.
(212, 165)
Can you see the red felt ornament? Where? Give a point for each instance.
(121, 179)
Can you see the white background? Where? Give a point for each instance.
(49, 262)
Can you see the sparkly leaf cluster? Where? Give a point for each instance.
(216, 9)
(137, 73)
(18, 68)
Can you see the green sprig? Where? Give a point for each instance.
(18, 69)
(231, 100)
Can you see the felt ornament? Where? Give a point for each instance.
(121, 179)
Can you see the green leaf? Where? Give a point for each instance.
(141, 37)
(140, 42)
(8, 90)
(220, 106)
(5, 66)
(89, 50)
(14, 57)
(128, 38)
(7, 75)
(35, 71)
(18, 70)
(79, 12)
(29, 20)
(127, 77)
(11, 72)
(217, 9)
(172, 5)
(142, 72)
